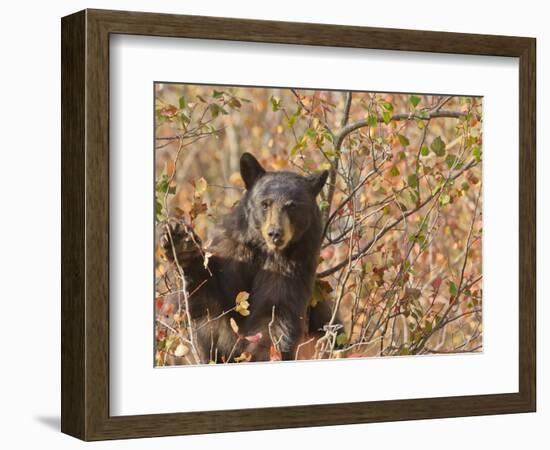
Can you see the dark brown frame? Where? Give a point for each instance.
(85, 224)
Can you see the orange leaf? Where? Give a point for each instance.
(170, 168)
(243, 357)
(274, 354)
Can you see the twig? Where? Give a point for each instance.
(388, 227)
(338, 140)
(301, 345)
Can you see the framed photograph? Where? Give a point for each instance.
(272, 225)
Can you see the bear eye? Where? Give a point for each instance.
(265, 205)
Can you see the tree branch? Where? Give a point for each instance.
(388, 227)
(350, 128)
(337, 145)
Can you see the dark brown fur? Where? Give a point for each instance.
(268, 246)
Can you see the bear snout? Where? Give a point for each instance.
(276, 235)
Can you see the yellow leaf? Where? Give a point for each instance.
(234, 325)
(200, 185)
(181, 350)
(241, 297)
(242, 311)
(242, 303)
(243, 357)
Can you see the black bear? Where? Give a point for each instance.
(268, 246)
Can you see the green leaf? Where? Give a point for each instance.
(162, 185)
(465, 186)
(428, 326)
(401, 155)
(453, 290)
(403, 140)
(422, 114)
(182, 102)
(275, 103)
(386, 210)
(394, 171)
(292, 119)
(387, 106)
(438, 146)
(158, 209)
(423, 224)
(327, 135)
(217, 94)
(184, 119)
(323, 204)
(341, 339)
(414, 100)
(299, 146)
(424, 151)
(477, 153)
(311, 133)
(451, 160)
(386, 115)
(216, 110)
(372, 121)
(444, 199)
(412, 180)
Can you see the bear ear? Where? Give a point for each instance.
(317, 181)
(251, 170)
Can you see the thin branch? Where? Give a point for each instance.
(396, 117)
(337, 146)
(391, 225)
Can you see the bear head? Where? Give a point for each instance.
(281, 206)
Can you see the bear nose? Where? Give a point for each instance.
(275, 234)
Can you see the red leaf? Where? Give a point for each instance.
(169, 111)
(255, 338)
(437, 283)
(161, 335)
(159, 302)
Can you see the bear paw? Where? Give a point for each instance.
(177, 239)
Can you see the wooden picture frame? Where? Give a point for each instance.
(85, 224)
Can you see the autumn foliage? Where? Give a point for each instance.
(402, 209)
